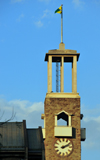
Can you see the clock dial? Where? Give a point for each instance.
(63, 147)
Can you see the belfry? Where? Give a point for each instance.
(62, 142)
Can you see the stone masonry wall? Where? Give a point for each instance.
(52, 107)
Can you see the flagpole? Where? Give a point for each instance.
(62, 25)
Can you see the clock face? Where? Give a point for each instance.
(63, 147)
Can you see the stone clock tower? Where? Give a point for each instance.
(62, 142)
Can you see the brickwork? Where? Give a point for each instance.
(52, 107)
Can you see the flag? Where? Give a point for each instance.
(59, 10)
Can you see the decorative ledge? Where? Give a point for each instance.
(62, 95)
(63, 131)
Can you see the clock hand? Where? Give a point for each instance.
(65, 146)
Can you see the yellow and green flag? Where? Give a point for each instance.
(59, 10)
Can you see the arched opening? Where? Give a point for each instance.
(62, 119)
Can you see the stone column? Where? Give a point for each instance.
(49, 74)
(74, 74)
(69, 120)
(55, 120)
(62, 75)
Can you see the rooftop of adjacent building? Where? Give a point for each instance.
(16, 138)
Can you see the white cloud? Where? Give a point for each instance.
(20, 17)
(91, 122)
(92, 134)
(46, 14)
(93, 112)
(15, 1)
(96, 119)
(39, 24)
(78, 3)
(24, 110)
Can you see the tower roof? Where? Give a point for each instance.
(56, 53)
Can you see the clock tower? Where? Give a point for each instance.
(62, 142)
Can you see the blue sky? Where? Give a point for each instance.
(28, 29)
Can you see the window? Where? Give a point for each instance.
(63, 119)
